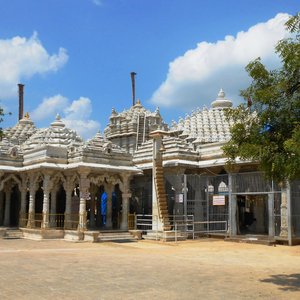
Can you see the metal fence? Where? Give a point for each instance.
(56, 221)
(182, 226)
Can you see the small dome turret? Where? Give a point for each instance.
(221, 101)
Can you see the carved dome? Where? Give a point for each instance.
(18, 134)
(56, 135)
(221, 101)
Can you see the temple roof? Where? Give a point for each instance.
(205, 125)
(221, 101)
(18, 134)
(56, 135)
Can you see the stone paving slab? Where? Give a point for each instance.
(202, 269)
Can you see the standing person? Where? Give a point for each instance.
(103, 207)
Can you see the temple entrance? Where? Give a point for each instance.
(116, 207)
(15, 206)
(252, 214)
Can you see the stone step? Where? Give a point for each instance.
(13, 234)
(116, 237)
(252, 240)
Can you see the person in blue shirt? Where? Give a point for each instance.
(103, 207)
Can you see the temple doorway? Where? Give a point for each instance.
(15, 206)
(252, 214)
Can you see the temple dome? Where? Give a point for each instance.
(56, 135)
(18, 134)
(221, 101)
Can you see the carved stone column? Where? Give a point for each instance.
(7, 207)
(232, 203)
(69, 189)
(125, 200)
(31, 208)
(46, 188)
(23, 207)
(125, 209)
(84, 193)
(284, 212)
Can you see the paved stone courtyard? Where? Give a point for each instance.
(203, 269)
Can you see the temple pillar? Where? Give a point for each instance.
(125, 200)
(84, 194)
(284, 212)
(109, 190)
(23, 207)
(232, 202)
(7, 207)
(69, 190)
(46, 188)
(31, 208)
(271, 215)
(125, 209)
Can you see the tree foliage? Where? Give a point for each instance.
(267, 130)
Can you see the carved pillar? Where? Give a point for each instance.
(284, 212)
(271, 215)
(31, 208)
(69, 190)
(7, 207)
(23, 206)
(232, 222)
(84, 193)
(125, 209)
(46, 188)
(125, 201)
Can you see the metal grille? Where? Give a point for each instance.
(295, 208)
(192, 195)
(255, 182)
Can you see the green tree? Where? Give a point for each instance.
(267, 126)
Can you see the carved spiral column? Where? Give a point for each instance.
(23, 206)
(84, 192)
(284, 211)
(69, 189)
(31, 208)
(46, 187)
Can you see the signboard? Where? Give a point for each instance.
(179, 198)
(219, 200)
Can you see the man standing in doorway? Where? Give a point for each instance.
(103, 207)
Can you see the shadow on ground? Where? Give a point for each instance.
(287, 282)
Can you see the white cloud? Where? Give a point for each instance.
(76, 114)
(23, 58)
(98, 2)
(49, 107)
(195, 78)
(77, 117)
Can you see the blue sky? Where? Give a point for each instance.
(75, 56)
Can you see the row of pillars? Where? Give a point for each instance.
(47, 210)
